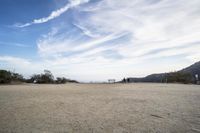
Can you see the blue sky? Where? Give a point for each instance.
(94, 40)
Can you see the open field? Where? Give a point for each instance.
(100, 108)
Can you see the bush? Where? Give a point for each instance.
(179, 77)
(8, 77)
(5, 77)
(62, 80)
(47, 77)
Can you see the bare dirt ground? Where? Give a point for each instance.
(100, 108)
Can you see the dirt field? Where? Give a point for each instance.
(100, 108)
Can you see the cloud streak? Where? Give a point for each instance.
(115, 38)
(133, 31)
(54, 14)
(14, 44)
(15, 60)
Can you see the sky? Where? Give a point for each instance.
(97, 40)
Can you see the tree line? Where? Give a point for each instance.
(7, 77)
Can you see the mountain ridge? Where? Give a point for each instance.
(185, 75)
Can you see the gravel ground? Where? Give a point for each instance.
(100, 108)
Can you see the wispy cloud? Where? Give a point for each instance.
(15, 60)
(115, 38)
(14, 44)
(86, 31)
(133, 31)
(54, 14)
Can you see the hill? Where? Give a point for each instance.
(193, 69)
(186, 75)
